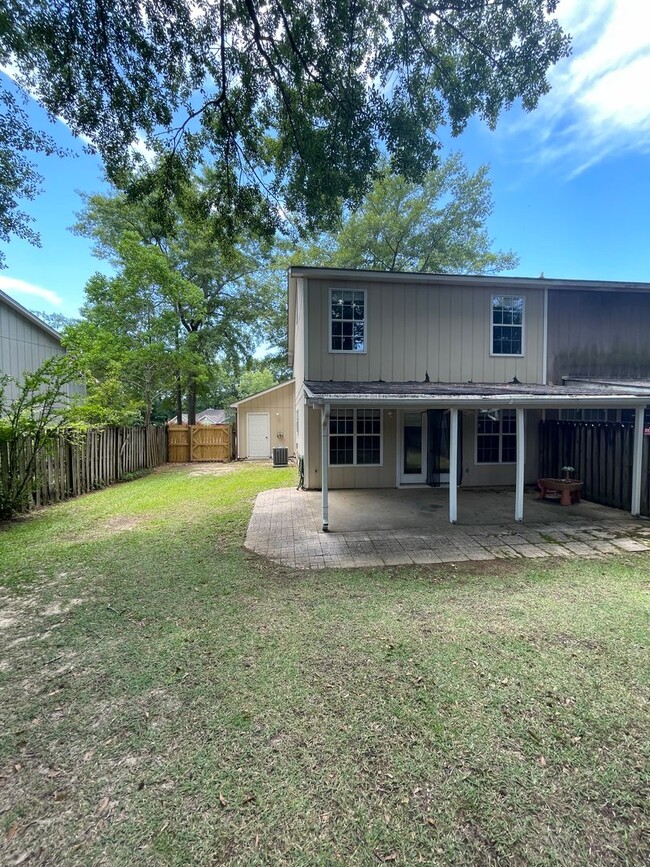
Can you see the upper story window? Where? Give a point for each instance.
(347, 320)
(507, 325)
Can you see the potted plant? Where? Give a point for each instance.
(567, 473)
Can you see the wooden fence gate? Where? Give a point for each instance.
(601, 453)
(199, 442)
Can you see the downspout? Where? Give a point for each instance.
(325, 424)
(521, 463)
(637, 460)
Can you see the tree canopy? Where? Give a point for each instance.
(184, 299)
(294, 100)
(437, 225)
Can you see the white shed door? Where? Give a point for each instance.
(258, 435)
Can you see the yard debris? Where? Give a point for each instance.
(222, 800)
(542, 761)
(11, 833)
(104, 806)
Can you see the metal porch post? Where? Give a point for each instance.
(324, 461)
(453, 466)
(521, 464)
(637, 460)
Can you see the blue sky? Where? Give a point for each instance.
(570, 181)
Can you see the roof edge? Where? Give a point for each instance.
(296, 271)
(27, 314)
(261, 393)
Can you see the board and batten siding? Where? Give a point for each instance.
(385, 476)
(24, 347)
(279, 403)
(414, 329)
(598, 334)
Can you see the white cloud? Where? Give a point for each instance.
(600, 98)
(12, 285)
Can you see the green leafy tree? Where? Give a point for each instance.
(294, 100)
(28, 423)
(438, 225)
(213, 304)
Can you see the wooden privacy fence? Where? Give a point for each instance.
(200, 442)
(601, 453)
(74, 463)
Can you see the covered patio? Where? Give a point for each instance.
(390, 527)
(456, 398)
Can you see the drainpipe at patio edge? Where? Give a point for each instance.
(324, 481)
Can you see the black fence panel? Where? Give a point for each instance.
(601, 453)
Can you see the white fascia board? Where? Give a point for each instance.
(262, 393)
(477, 401)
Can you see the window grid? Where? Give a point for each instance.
(355, 437)
(507, 325)
(347, 320)
(496, 438)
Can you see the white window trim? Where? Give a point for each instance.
(523, 327)
(478, 463)
(331, 351)
(354, 441)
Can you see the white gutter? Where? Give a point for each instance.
(477, 401)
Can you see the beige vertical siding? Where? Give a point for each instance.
(474, 475)
(23, 346)
(279, 403)
(413, 329)
(599, 334)
(482, 475)
(352, 477)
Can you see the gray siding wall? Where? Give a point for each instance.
(599, 334)
(413, 329)
(23, 346)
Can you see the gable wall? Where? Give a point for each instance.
(23, 346)
(280, 406)
(413, 329)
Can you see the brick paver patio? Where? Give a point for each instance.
(284, 528)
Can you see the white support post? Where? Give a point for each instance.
(637, 460)
(324, 462)
(521, 464)
(453, 466)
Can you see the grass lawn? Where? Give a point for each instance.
(168, 698)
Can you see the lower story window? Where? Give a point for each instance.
(496, 438)
(355, 437)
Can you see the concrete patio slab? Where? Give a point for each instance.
(401, 527)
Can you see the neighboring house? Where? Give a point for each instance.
(25, 343)
(206, 416)
(426, 379)
(266, 420)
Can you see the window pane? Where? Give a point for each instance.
(347, 317)
(487, 449)
(509, 449)
(368, 450)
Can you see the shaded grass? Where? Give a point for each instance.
(169, 698)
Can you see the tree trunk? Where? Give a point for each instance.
(191, 400)
(179, 399)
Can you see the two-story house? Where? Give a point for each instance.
(410, 379)
(424, 379)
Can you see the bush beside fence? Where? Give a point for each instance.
(74, 463)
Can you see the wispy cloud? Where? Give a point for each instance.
(600, 99)
(14, 286)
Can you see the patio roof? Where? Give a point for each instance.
(473, 395)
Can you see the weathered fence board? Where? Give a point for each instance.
(75, 463)
(200, 442)
(601, 453)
